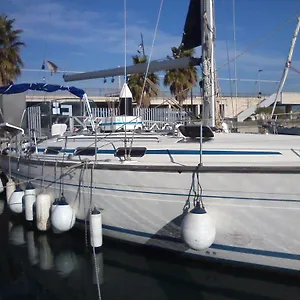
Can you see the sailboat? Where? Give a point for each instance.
(232, 198)
(273, 126)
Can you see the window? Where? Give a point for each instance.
(52, 150)
(88, 151)
(132, 151)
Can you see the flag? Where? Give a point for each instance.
(51, 66)
(140, 48)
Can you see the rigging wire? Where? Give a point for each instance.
(101, 138)
(61, 185)
(94, 250)
(43, 177)
(55, 177)
(195, 191)
(125, 73)
(43, 67)
(246, 50)
(82, 194)
(260, 41)
(228, 61)
(149, 60)
(226, 64)
(152, 47)
(234, 46)
(295, 70)
(125, 42)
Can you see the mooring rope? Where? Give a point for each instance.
(61, 187)
(97, 273)
(196, 191)
(93, 247)
(85, 211)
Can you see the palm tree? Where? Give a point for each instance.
(181, 80)
(10, 47)
(136, 82)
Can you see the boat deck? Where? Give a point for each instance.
(224, 150)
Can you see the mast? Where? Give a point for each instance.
(208, 63)
(287, 65)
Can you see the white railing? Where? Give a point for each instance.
(152, 118)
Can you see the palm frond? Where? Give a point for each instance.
(136, 82)
(180, 81)
(10, 48)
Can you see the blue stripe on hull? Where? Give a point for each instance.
(186, 195)
(211, 152)
(182, 152)
(267, 253)
(164, 193)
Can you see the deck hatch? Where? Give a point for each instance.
(131, 151)
(52, 150)
(193, 131)
(86, 151)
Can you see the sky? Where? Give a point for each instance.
(89, 35)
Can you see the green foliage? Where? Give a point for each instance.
(181, 80)
(10, 48)
(136, 82)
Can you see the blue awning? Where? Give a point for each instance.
(23, 87)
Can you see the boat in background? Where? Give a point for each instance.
(277, 126)
(210, 196)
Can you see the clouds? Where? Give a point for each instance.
(103, 31)
(250, 61)
(90, 36)
(266, 59)
(56, 22)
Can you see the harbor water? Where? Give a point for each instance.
(35, 265)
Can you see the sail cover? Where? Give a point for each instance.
(192, 36)
(44, 87)
(154, 66)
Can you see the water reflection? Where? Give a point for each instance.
(44, 266)
(2, 204)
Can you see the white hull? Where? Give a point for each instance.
(256, 214)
